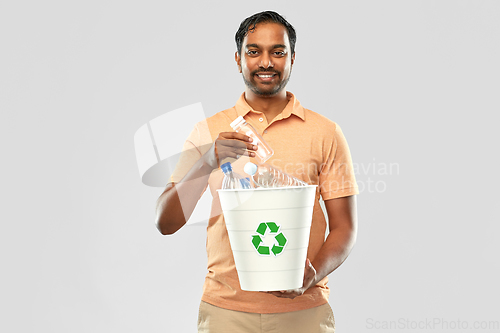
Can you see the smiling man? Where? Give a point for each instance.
(265, 57)
(307, 145)
(266, 66)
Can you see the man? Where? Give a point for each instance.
(307, 145)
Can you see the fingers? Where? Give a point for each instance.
(236, 139)
(287, 293)
(309, 275)
(235, 136)
(237, 145)
(309, 266)
(233, 152)
(235, 155)
(234, 145)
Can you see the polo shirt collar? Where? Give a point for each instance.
(293, 107)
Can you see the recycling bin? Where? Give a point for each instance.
(268, 231)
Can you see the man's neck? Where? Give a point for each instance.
(271, 106)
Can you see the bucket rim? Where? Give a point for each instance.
(265, 188)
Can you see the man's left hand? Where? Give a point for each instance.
(309, 277)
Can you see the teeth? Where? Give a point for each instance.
(266, 76)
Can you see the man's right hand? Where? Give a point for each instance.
(229, 145)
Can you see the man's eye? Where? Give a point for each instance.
(251, 52)
(279, 53)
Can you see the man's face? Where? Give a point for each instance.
(266, 62)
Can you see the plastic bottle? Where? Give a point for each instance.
(245, 183)
(232, 180)
(266, 176)
(264, 151)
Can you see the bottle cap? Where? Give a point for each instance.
(250, 168)
(226, 167)
(237, 122)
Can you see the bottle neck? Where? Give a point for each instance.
(240, 125)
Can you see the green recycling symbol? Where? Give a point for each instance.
(280, 239)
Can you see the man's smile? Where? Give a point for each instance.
(266, 77)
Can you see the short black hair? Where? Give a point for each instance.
(268, 16)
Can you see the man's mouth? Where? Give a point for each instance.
(266, 76)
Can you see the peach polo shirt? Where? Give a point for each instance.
(306, 145)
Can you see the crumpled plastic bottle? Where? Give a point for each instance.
(264, 175)
(232, 180)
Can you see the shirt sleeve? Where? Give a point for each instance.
(188, 157)
(337, 177)
(197, 143)
(191, 152)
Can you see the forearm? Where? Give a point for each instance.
(177, 202)
(334, 251)
(342, 216)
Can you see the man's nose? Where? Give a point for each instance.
(265, 61)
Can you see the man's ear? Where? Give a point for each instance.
(293, 58)
(237, 58)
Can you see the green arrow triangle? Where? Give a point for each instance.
(262, 228)
(256, 240)
(273, 227)
(277, 249)
(263, 249)
(281, 239)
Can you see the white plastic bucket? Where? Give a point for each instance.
(269, 234)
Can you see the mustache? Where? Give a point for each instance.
(266, 71)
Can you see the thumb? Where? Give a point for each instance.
(310, 267)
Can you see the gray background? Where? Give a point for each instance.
(414, 85)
